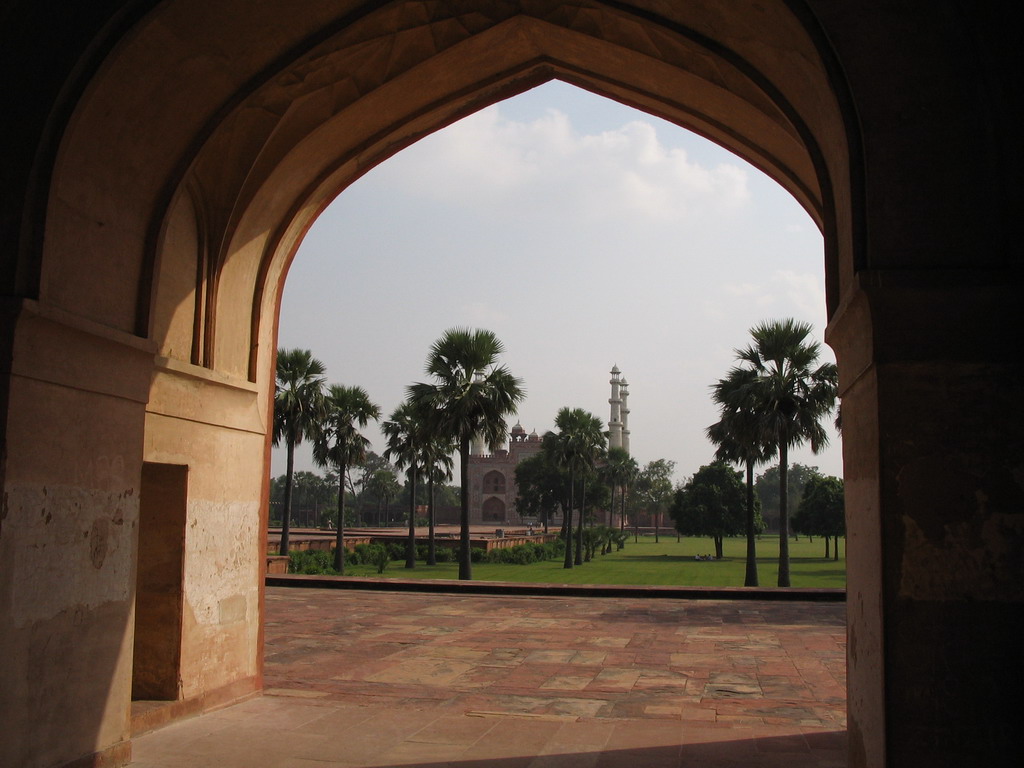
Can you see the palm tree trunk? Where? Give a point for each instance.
(465, 559)
(287, 513)
(339, 536)
(750, 579)
(410, 546)
(568, 524)
(622, 517)
(431, 548)
(579, 533)
(636, 529)
(783, 512)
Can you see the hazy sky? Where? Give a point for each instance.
(584, 234)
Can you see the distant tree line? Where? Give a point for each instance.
(712, 503)
(374, 496)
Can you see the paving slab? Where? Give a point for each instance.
(375, 679)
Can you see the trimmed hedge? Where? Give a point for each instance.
(321, 561)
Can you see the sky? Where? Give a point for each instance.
(584, 234)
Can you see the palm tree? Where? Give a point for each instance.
(436, 457)
(791, 395)
(338, 445)
(576, 447)
(298, 406)
(406, 433)
(619, 469)
(740, 438)
(384, 486)
(470, 397)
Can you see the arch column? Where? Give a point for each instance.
(76, 395)
(933, 432)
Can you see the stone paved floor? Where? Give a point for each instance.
(392, 679)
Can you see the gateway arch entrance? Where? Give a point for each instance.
(170, 155)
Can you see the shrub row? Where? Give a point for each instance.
(521, 554)
(321, 561)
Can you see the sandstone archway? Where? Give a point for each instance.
(183, 148)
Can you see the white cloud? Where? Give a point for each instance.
(535, 166)
(741, 289)
(804, 292)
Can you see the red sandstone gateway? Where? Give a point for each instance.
(165, 157)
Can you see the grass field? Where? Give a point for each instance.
(644, 562)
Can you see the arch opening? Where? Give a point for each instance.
(181, 237)
(584, 233)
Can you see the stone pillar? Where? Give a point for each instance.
(933, 439)
(72, 459)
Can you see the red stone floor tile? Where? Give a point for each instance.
(383, 679)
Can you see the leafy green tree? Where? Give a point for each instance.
(298, 407)
(741, 439)
(470, 396)
(338, 445)
(310, 491)
(711, 503)
(766, 486)
(654, 488)
(822, 510)
(543, 487)
(406, 433)
(791, 394)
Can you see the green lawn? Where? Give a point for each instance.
(644, 562)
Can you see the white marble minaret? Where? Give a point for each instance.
(624, 394)
(615, 420)
(478, 446)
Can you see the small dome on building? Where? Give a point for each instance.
(518, 429)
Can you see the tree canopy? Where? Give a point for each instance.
(711, 503)
(821, 511)
(575, 447)
(741, 439)
(653, 489)
(789, 394)
(407, 433)
(298, 407)
(469, 395)
(338, 445)
(543, 487)
(766, 486)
